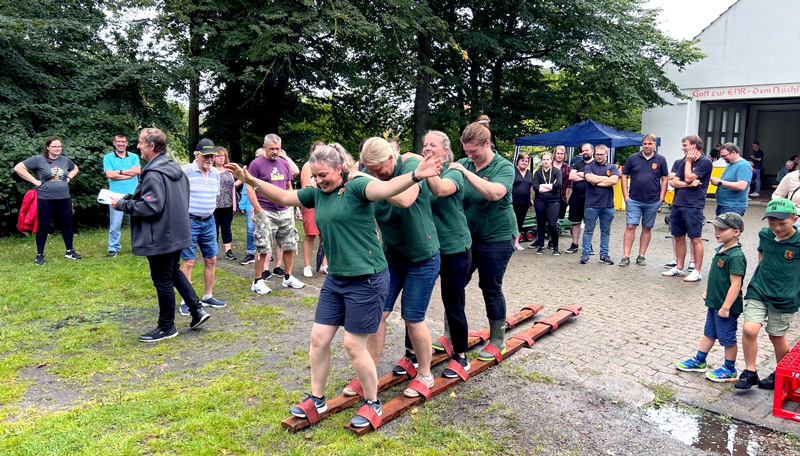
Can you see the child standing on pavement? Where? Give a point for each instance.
(723, 298)
(774, 291)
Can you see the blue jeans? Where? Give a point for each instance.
(590, 216)
(204, 235)
(758, 181)
(723, 209)
(251, 243)
(416, 281)
(114, 229)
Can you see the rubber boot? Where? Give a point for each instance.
(497, 337)
(438, 346)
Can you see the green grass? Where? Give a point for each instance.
(76, 381)
(663, 394)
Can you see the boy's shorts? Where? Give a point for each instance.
(721, 329)
(777, 323)
(353, 302)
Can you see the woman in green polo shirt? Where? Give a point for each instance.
(356, 286)
(487, 205)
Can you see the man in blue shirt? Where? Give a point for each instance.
(122, 169)
(600, 177)
(691, 180)
(733, 184)
(648, 173)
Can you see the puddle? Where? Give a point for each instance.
(718, 435)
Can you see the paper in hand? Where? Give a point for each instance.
(108, 197)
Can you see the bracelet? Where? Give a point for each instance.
(414, 177)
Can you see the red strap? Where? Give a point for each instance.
(482, 335)
(420, 387)
(369, 413)
(576, 310)
(448, 346)
(311, 410)
(533, 308)
(406, 364)
(524, 338)
(509, 323)
(456, 367)
(494, 351)
(550, 322)
(355, 385)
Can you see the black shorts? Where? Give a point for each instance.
(576, 209)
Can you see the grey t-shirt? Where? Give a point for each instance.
(53, 176)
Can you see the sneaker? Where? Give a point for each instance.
(359, 421)
(199, 318)
(72, 255)
(260, 287)
(248, 259)
(427, 381)
(556, 252)
(605, 259)
(641, 261)
(319, 403)
(266, 275)
(768, 383)
(324, 269)
(692, 365)
(111, 254)
(292, 282)
(690, 268)
(549, 245)
(572, 248)
(674, 272)
(278, 271)
(308, 272)
(215, 303)
(754, 194)
(158, 334)
(449, 373)
(671, 264)
(39, 259)
(747, 380)
(518, 248)
(533, 245)
(230, 256)
(184, 309)
(624, 262)
(693, 276)
(399, 370)
(584, 258)
(540, 251)
(591, 250)
(722, 375)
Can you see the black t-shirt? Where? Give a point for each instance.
(597, 196)
(579, 187)
(521, 192)
(645, 176)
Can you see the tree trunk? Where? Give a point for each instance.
(423, 94)
(194, 112)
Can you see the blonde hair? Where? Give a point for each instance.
(260, 152)
(219, 149)
(376, 151)
(445, 140)
(601, 147)
(476, 133)
(332, 155)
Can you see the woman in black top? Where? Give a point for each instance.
(521, 198)
(547, 186)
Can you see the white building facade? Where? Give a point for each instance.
(747, 88)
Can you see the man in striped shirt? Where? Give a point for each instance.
(203, 190)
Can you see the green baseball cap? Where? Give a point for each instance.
(780, 208)
(729, 220)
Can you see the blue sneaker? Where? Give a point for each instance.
(319, 403)
(584, 258)
(359, 421)
(692, 365)
(722, 375)
(211, 302)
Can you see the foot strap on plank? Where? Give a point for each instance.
(576, 310)
(408, 366)
(420, 387)
(369, 413)
(310, 409)
(355, 385)
(524, 338)
(550, 321)
(509, 323)
(490, 348)
(456, 367)
(482, 335)
(448, 346)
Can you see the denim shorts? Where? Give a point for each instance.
(204, 235)
(416, 281)
(777, 323)
(724, 209)
(353, 302)
(686, 221)
(721, 329)
(636, 212)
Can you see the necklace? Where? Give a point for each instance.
(549, 178)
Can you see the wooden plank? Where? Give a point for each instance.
(341, 402)
(400, 404)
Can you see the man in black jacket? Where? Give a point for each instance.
(159, 211)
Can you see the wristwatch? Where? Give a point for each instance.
(414, 177)
(120, 173)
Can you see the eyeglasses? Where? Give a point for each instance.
(723, 155)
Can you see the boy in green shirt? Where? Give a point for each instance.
(723, 298)
(774, 291)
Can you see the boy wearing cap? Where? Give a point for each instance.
(774, 291)
(723, 298)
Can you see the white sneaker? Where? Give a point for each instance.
(694, 276)
(260, 287)
(754, 194)
(324, 269)
(691, 266)
(292, 282)
(308, 272)
(674, 272)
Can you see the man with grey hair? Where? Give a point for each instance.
(159, 212)
(785, 170)
(733, 184)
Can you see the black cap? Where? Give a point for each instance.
(205, 147)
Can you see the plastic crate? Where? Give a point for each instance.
(787, 382)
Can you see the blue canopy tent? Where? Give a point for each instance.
(588, 131)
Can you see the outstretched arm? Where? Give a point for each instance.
(276, 194)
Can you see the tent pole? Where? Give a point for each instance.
(516, 154)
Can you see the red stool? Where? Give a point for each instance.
(787, 382)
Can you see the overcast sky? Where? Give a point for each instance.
(685, 19)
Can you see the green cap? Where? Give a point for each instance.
(780, 208)
(729, 220)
